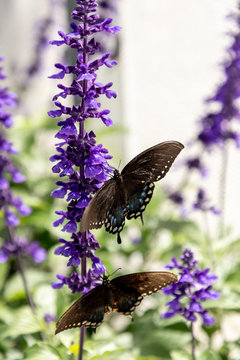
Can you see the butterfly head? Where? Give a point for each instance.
(116, 174)
(105, 278)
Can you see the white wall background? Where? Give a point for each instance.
(169, 63)
(171, 51)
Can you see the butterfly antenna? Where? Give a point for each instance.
(119, 164)
(110, 172)
(115, 271)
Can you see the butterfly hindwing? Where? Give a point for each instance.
(138, 201)
(87, 311)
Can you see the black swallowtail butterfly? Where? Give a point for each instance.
(121, 294)
(127, 194)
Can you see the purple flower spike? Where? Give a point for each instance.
(79, 159)
(8, 202)
(191, 290)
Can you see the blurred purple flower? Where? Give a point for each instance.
(109, 5)
(22, 247)
(108, 9)
(216, 128)
(176, 197)
(40, 39)
(191, 290)
(8, 171)
(49, 318)
(202, 203)
(78, 157)
(14, 246)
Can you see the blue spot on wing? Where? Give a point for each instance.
(139, 201)
(115, 220)
(136, 205)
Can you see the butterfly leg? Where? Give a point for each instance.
(142, 219)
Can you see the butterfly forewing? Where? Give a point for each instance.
(87, 311)
(152, 164)
(140, 173)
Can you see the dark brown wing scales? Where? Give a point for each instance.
(122, 294)
(153, 164)
(129, 290)
(87, 311)
(97, 210)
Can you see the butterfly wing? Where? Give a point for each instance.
(152, 164)
(87, 311)
(139, 174)
(128, 291)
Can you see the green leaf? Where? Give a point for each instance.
(3, 273)
(12, 354)
(209, 355)
(119, 354)
(147, 358)
(14, 289)
(42, 352)
(23, 322)
(180, 355)
(153, 339)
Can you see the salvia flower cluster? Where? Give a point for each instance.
(217, 128)
(80, 161)
(192, 289)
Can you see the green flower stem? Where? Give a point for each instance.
(22, 272)
(193, 342)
